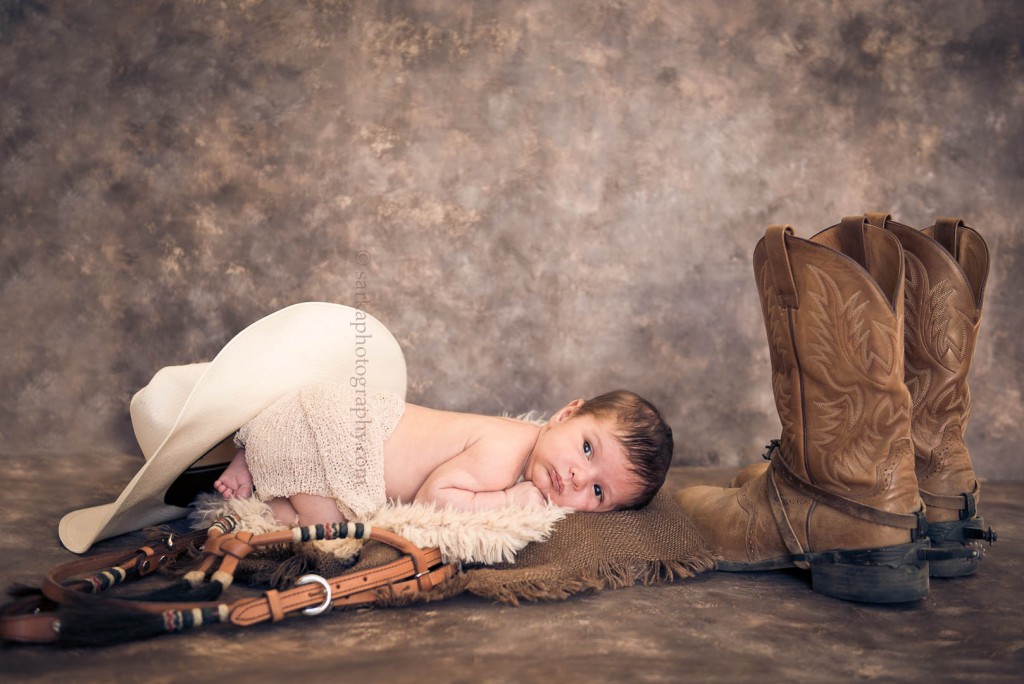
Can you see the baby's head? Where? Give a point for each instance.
(644, 435)
(609, 453)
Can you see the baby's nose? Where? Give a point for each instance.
(577, 477)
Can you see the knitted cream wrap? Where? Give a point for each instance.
(325, 439)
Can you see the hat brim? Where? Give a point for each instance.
(296, 346)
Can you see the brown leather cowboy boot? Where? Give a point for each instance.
(839, 497)
(946, 270)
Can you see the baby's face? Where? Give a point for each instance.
(579, 463)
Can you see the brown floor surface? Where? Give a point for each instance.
(715, 627)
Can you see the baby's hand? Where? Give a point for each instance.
(525, 494)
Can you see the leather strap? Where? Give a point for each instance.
(947, 235)
(778, 262)
(906, 521)
(22, 621)
(782, 519)
(851, 238)
(274, 603)
(33, 619)
(963, 502)
(878, 218)
(346, 590)
(65, 580)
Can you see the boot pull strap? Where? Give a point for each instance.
(778, 262)
(851, 238)
(878, 218)
(947, 235)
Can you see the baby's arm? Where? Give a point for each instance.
(525, 493)
(459, 483)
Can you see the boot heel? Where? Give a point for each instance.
(894, 574)
(950, 541)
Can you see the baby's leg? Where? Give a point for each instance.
(236, 480)
(314, 509)
(305, 509)
(284, 511)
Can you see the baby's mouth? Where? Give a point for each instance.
(556, 480)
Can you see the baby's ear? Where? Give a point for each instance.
(567, 411)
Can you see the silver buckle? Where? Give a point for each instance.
(326, 605)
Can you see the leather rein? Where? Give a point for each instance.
(37, 618)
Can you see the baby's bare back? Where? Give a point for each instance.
(489, 451)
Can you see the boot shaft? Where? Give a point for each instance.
(833, 310)
(946, 272)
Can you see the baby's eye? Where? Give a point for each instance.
(598, 493)
(588, 451)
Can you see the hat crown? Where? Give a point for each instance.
(155, 408)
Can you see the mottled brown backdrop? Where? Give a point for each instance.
(556, 198)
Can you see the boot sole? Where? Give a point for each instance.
(780, 563)
(892, 574)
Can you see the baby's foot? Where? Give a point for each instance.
(236, 480)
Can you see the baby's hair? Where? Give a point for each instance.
(644, 435)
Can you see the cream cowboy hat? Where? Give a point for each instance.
(186, 412)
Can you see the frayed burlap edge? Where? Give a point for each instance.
(604, 576)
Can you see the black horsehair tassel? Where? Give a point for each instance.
(90, 621)
(184, 592)
(19, 590)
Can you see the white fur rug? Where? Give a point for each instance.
(462, 536)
